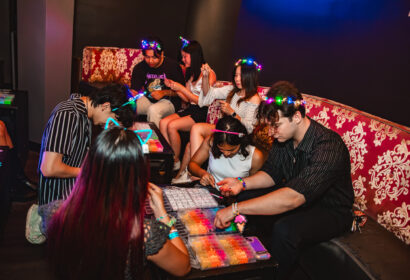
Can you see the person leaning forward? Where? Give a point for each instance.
(304, 190)
(67, 137)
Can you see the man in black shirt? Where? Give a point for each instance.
(309, 169)
(149, 75)
(67, 137)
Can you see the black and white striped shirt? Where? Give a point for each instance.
(319, 168)
(68, 132)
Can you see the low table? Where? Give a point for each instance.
(261, 269)
(161, 163)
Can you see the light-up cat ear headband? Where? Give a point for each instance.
(131, 99)
(185, 42)
(240, 134)
(279, 100)
(107, 125)
(248, 61)
(150, 45)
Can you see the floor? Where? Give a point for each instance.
(18, 258)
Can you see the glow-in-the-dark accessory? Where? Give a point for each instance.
(248, 61)
(131, 99)
(150, 45)
(144, 144)
(240, 134)
(185, 42)
(279, 100)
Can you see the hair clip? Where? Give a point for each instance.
(185, 42)
(107, 125)
(240, 134)
(131, 99)
(150, 45)
(148, 136)
(279, 100)
(249, 61)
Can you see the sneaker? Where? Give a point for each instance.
(183, 179)
(177, 165)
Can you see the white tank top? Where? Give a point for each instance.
(236, 166)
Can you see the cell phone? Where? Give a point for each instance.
(260, 250)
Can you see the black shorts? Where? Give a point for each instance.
(198, 114)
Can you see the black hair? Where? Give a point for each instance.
(283, 89)
(116, 95)
(231, 124)
(197, 59)
(249, 81)
(157, 53)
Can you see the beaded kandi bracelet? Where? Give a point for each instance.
(243, 183)
(171, 222)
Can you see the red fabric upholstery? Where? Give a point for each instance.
(107, 64)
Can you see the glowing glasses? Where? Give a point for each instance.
(147, 132)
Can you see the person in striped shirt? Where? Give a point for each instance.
(67, 137)
(303, 194)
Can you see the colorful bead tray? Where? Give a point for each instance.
(201, 221)
(213, 251)
(189, 198)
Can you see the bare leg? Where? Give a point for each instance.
(181, 124)
(185, 159)
(198, 133)
(5, 139)
(163, 125)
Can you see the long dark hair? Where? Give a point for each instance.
(228, 123)
(197, 59)
(249, 81)
(90, 235)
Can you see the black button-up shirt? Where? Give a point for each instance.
(319, 168)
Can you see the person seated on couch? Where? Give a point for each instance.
(239, 100)
(229, 151)
(100, 231)
(196, 80)
(309, 168)
(149, 75)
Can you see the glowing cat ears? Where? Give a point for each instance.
(111, 120)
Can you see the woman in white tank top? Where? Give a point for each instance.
(229, 151)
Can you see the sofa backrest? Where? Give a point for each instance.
(108, 64)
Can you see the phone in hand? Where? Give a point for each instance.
(260, 250)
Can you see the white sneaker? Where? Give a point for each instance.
(177, 165)
(183, 179)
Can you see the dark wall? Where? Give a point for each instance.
(354, 52)
(124, 23)
(5, 54)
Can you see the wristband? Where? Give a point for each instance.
(243, 183)
(171, 221)
(173, 235)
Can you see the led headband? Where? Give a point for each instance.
(248, 61)
(240, 134)
(131, 99)
(150, 45)
(279, 100)
(185, 42)
(107, 125)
